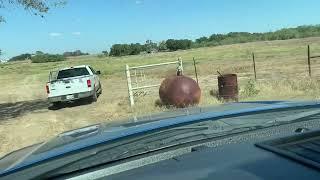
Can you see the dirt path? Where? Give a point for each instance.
(26, 122)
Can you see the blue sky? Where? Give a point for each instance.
(94, 25)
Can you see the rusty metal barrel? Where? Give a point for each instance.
(228, 87)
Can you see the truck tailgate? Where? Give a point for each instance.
(69, 86)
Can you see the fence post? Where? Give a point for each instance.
(309, 64)
(129, 86)
(195, 70)
(254, 67)
(180, 67)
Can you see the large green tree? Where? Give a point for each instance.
(162, 46)
(36, 7)
(173, 44)
(150, 46)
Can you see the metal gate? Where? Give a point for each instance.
(136, 74)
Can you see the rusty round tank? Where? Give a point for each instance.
(179, 91)
(228, 87)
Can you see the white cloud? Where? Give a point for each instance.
(76, 33)
(55, 34)
(138, 2)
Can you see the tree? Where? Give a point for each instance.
(217, 38)
(150, 46)
(135, 48)
(174, 45)
(39, 53)
(21, 57)
(105, 53)
(171, 45)
(202, 40)
(36, 7)
(162, 46)
(43, 58)
(67, 54)
(74, 53)
(126, 49)
(185, 43)
(77, 53)
(117, 50)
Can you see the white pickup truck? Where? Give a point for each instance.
(73, 83)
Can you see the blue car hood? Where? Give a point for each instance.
(84, 138)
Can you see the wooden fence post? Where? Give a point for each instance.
(195, 70)
(309, 64)
(254, 67)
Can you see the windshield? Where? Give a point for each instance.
(68, 73)
(148, 61)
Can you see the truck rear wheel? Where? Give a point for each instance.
(100, 90)
(94, 97)
(57, 104)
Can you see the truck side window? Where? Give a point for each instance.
(92, 70)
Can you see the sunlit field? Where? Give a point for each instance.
(282, 74)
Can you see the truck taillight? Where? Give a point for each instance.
(89, 83)
(47, 88)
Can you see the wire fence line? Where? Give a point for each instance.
(249, 66)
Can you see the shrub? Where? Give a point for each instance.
(250, 89)
(105, 53)
(100, 56)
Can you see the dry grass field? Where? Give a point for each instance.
(25, 118)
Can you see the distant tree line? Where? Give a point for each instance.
(182, 44)
(243, 37)
(38, 57)
(41, 57)
(213, 40)
(74, 53)
(132, 49)
(148, 47)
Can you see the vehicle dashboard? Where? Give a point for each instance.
(229, 157)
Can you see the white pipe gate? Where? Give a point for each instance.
(131, 89)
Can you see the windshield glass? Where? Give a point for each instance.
(202, 128)
(68, 73)
(149, 61)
